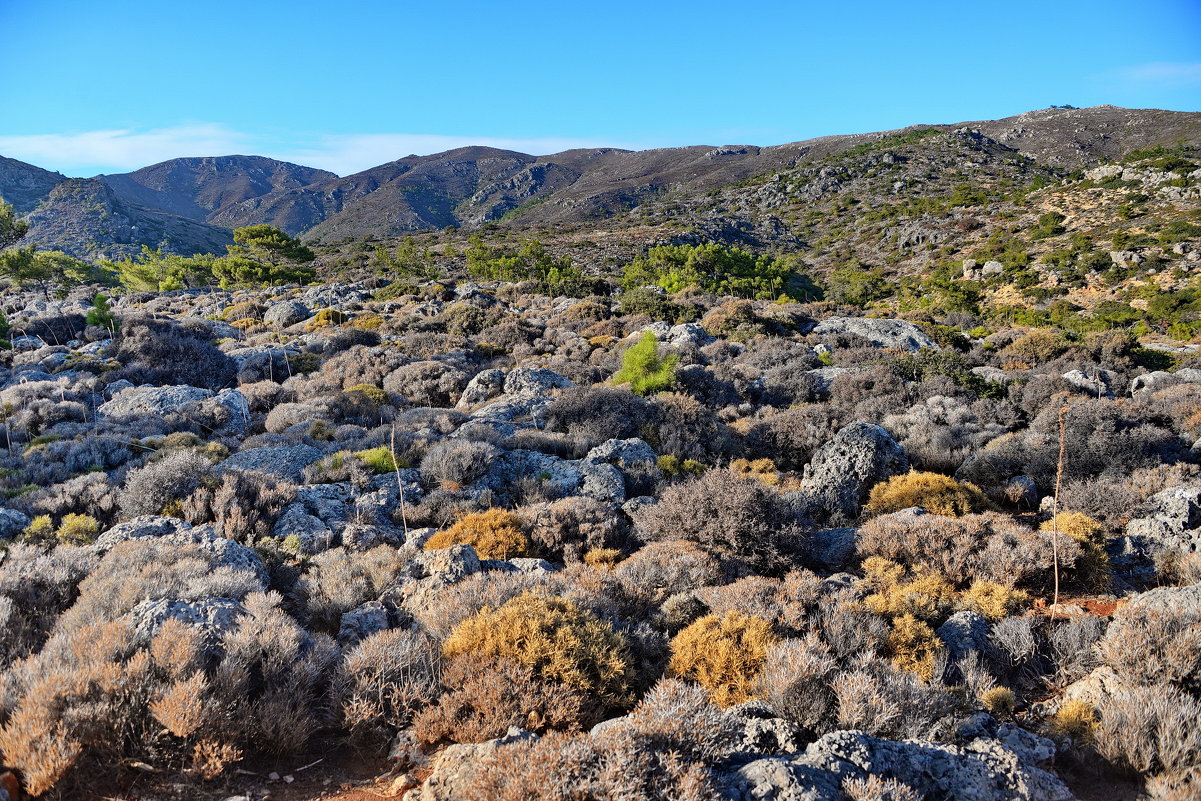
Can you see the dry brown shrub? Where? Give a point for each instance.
(661, 569)
(385, 678)
(487, 697)
(984, 546)
(794, 681)
(875, 788)
(211, 758)
(727, 515)
(181, 707)
(936, 493)
(1156, 643)
(1150, 730)
(243, 506)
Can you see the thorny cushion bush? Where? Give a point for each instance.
(990, 546)
(730, 516)
(164, 353)
(1104, 438)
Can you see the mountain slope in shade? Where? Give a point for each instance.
(84, 217)
(24, 185)
(199, 188)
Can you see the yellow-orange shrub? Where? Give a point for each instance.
(722, 654)
(495, 534)
(555, 638)
(934, 492)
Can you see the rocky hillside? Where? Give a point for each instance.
(87, 219)
(474, 186)
(204, 189)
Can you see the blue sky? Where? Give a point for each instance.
(109, 86)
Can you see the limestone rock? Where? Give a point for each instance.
(843, 471)
(284, 461)
(881, 333)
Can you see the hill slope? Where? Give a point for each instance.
(473, 186)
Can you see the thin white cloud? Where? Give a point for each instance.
(123, 149)
(1164, 74)
(118, 150)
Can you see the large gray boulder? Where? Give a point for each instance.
(842, 472)
(286, 313)
(184, 400)
(881, 333)
(485, 386)
(1168, 523)
(157, 401)
(534, 382)
(12, 523)
(284, 461)
(213, 616)
(171, 530)
(1003, 767)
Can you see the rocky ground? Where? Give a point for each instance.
(434, 541)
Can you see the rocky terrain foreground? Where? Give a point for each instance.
(896, 497)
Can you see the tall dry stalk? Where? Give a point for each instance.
(1063, 449)
(400, 487)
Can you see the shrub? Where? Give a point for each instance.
(913, 646)
(371, 392)
(101, 313)
(722, 654)
(162, 353)
(926, 595)
(1150, 729)
(998, 701)
(794, 681)
(495, 534)
(570, 528)
(457, 462)
(935, 493)
(387, 677)
(243, 506)
(986, 546)
(427, 383)
(644, 370)
(486, 697)
(76, 529)
(874, 788)
(151, 569)
(1034, 348)
(597, 413)
(148, 490)
(659, 570)
(553, 637)
(993, 601)
(378, 460)
(1092, 569)
(1156, 639)
(884, 701)
(326, 318)
(663, 751)
(729, 515)
(338, 580)
(1075, 719)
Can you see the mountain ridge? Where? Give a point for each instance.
(477, 185)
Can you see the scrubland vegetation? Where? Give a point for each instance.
(714, 524)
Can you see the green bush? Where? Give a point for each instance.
(720, 270)
(644, 370)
